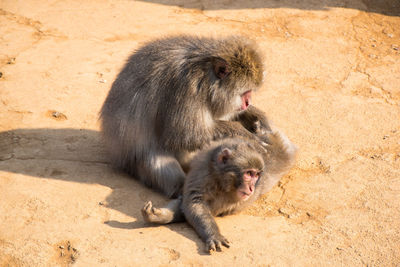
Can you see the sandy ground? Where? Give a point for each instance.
(333, 87)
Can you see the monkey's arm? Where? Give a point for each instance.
(199, 216)
(225, 129)
(246, 124)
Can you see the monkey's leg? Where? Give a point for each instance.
(168, 214)
(162, 171)
(199, 216)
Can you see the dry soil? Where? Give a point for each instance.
(333, 86)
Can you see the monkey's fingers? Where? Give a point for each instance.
(225, 242)
(210, 246)
(218, 246)
(214, 244)
(146, 210)
(147, 207)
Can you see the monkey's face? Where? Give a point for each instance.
(248, 183)
(237, 71)
(240, 168)
(238, 102)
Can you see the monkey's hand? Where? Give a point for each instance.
(198, 214)
(225, 129)
(214, 242)
(254, 120)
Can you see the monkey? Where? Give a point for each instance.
(174, 96)
(226, 177)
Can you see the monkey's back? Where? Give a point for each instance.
(155, 78)
(147, 86)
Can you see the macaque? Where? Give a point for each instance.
(173, 97)
(226, 177)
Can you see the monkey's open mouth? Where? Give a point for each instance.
(246, 97)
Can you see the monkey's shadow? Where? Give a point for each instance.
(77, 155)
(385, 7)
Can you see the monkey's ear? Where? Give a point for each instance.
(224, 155)
(221, 68)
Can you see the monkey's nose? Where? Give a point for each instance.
(246, 97)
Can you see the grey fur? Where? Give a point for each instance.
(172, 97)
(208, 190)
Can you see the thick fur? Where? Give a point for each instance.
(210, 190)
(173, 97)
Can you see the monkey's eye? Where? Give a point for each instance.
(252, 173)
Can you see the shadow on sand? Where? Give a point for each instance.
(77, 155)
(385, 7)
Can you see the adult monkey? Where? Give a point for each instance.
(174, 96)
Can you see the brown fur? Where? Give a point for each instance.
(174, 96)
(211, 187)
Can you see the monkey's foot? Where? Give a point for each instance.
(155, 215)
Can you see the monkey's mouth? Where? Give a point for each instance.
(246, 97)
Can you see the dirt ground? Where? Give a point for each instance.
(333, 86)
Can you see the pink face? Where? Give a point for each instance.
(246, 97)
(248, 185)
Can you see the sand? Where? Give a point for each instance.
(333, 86)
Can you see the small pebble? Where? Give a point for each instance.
(56, 114)
(11, 61)
(395, 47)
(62, 247)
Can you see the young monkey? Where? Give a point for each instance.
(226, 177)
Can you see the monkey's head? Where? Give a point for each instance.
(237, 71)
(237, 169)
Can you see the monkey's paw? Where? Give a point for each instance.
(152, 214)
(214, 243)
